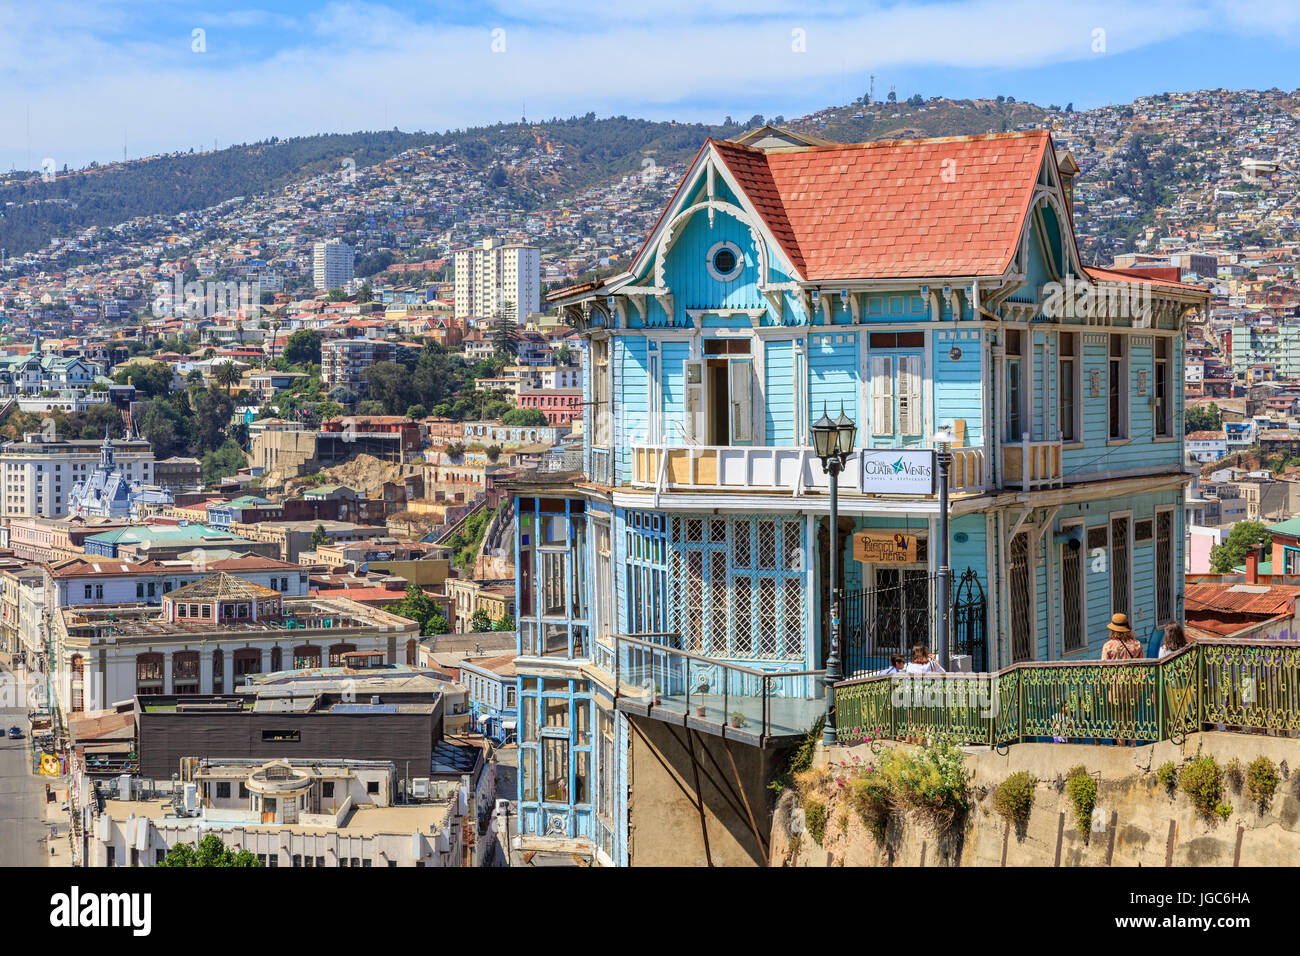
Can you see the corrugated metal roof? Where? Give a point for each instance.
(1260, 599)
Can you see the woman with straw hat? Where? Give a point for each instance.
(1121, 646)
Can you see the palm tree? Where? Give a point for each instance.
(227, 374)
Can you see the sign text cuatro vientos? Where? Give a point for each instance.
(898, 471)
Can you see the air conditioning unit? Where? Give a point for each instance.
(420, 788)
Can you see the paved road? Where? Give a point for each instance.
(22, 799)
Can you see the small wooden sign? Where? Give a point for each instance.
(884, 547)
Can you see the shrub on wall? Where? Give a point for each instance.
(1202, 780)
(1014, 798)
(1261, 781)
(1081, 788)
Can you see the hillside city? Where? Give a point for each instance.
(439, 491)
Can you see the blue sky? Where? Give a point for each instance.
(82, 78)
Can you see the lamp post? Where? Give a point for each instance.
(943, 439)
(833, 443)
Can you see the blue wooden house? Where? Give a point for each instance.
(673, 595)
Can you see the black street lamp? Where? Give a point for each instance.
(943, 442)
(833, 443)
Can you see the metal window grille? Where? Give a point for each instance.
(1019, 594)
(1072, 636)
(1119, 566)
(1164, 567)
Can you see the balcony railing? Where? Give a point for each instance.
(654, 678)
(1248, 685)
(1031, 464)
(760, 468)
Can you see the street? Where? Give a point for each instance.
(22, 799)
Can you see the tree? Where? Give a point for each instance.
(416, 412)
(303, 348)
(1245, 537)
(212, 419)
(493, 452)
(419, 607)
(391, 385)
(505, 331)
(365, 293)
(524, 417)
(227, 375)
(210, 852)
(223, 461)
(1202, 418)
(480, 621)
(507, 623)
(150, 379)
(563, 355)
(319, 537)
(437, 624)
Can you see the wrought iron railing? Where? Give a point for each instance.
(653, 673)
(1249, 685)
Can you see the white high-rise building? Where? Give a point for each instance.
(494, 273)
(331, 264)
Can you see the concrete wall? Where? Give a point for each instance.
(1141, 824)
(664, 825)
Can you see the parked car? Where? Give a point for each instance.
(15, 733)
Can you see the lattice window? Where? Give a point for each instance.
(792, 617)
(740, 550)
(718, 602)
(693, 620)
(694, 529)
(718, 530)
(742, 616)
(767, 617)
(767, 545)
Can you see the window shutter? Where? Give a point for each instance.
(910, 419)
(882, 395)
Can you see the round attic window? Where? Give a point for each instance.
(725, 261)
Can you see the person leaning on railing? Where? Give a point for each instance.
(1122, 646)
(1175, 640)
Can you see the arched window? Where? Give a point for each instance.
(276, 659)
(306, 655)
(248, 660)
(149, 673)
(185, 672)
(410, 651)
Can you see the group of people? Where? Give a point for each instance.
(1123, 645)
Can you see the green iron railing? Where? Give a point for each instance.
(1237, 684)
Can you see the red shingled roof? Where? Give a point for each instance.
(888, 209)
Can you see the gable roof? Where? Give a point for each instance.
(928, 208)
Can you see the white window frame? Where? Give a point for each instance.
(1076, 397)
(1168, 362)
(1125, 399)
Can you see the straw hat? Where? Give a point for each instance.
(1119, 622)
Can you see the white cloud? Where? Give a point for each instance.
(89, 72)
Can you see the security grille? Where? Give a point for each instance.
(1072, 598)
(1018, 588)
(1164, 567)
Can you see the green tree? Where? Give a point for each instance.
(507, 623)
(419, 607)
(319, 537)
(391, 385)
(1245, 536)
(417, 412)
(212, 419)
(1199, 418)
(210, 852)
(303, 348)
(526, 417)
(150, 379)
(227, 375)
(480, 621)
(505, 331)
(223, 461)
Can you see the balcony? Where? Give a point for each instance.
(764, 469)
(655, 679)
(1031, 464)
